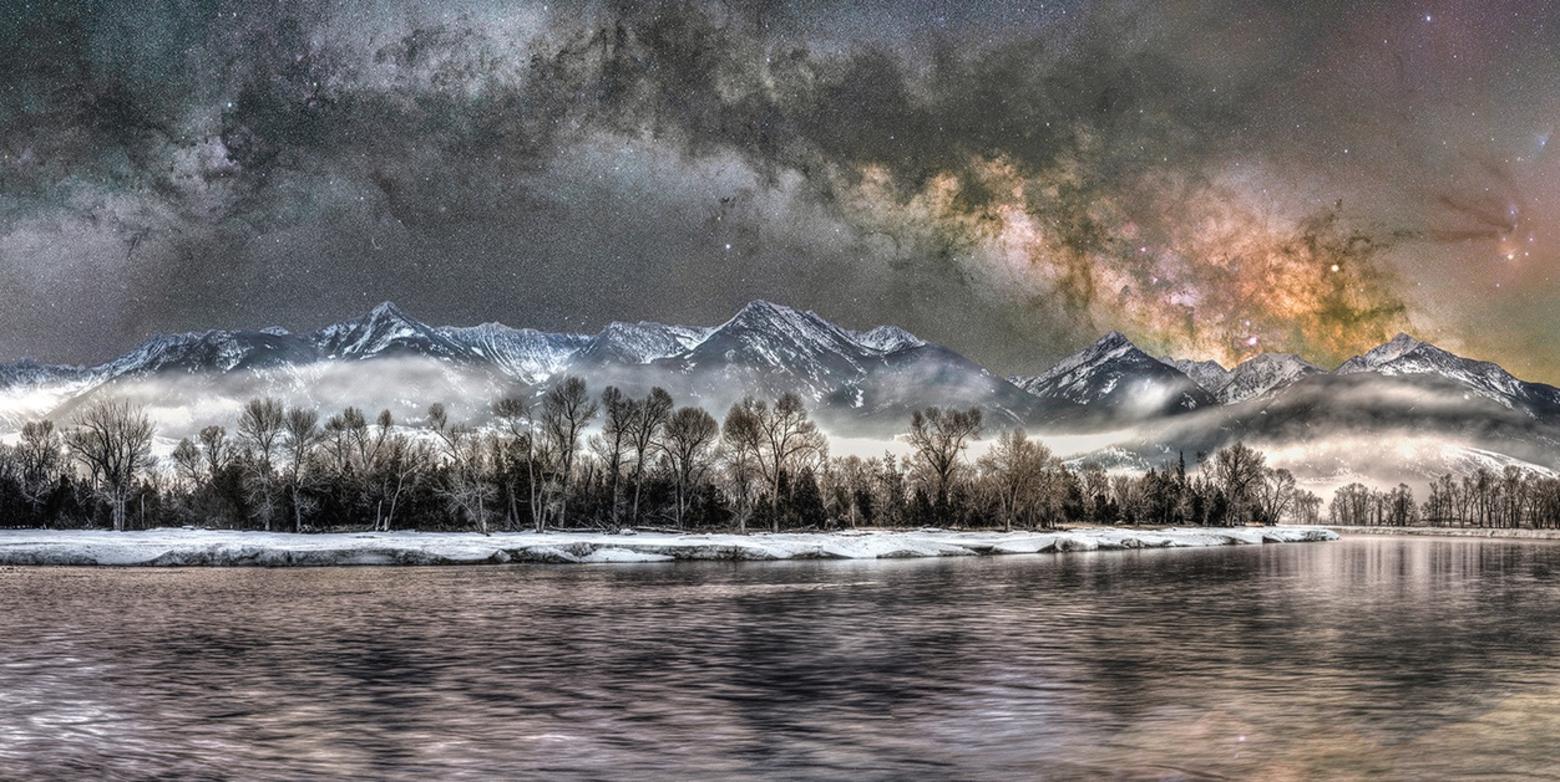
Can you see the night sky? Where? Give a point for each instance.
(1011, 179)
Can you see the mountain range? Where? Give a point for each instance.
(862, 383)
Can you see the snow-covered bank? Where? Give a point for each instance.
(1454, 532)
(179, 547)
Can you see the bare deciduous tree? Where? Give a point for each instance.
(260, 428)
(652, 414)
(214, 450)
(522, 445)
(465, 487)
(300, 435)
(618, 426)
(1017, 467)
(743, 439)
(939, 438)
(112, 439)
(401, 466)
(40, 458)
(690, 435)
(566, 410)
(1275, 495)
(1237, 470)
(188, 463)
(787, 439)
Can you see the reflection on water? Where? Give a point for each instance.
(1405, 658)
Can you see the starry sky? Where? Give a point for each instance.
(1011, 179)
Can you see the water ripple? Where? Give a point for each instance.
(1403, 658)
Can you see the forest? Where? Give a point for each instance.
(574, 459)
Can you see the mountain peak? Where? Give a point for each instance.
(525, 353)
(776, 320)
(1264, 373)
(1113, 339)
(1402, 343)
(764, 310)
(888, 339)
(1385, 353)
(385, 329)
(388, 310)
(1287, 359)
(1210, 375)
(641, 342)
(1114, 373)
(1405, 355)
(1113, 344)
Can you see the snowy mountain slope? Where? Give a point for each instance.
(1369, 412)
(1114, 375)
(1333, 429)
(1210, 375)
(768, 349)
(30, 391)
(862, 382)
(887, 339)
(877, 376)
(387, 331)
(1405, 355)
(768, 337)
(1264, 374)
(1402, 411)
(525, 354)
(220, 351)
(858, 381)
(273, 354)
(637, 343)
(31, 373)
(1379, 356)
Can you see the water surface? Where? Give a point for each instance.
(1392, 657)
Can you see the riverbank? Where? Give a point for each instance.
(192, 547)
(1453, 532)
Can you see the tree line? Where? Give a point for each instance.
(1511, 498)
(573, 459)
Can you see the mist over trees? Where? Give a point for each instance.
(571, 458)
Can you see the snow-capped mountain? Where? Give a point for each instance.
(1257, 376)
(1403, 356)
(1406, 356)
(887, 339)
(1404, 410)
(211, 351)
(526, 354)
(30, 391)
(638, 343)
(1264, 374)
(1113, 374)
(1210, 375)
(1381, 355)
(863, 382)
(386, 331)
(879, 375)
(765, 349)
(30, 373)
(764, 340)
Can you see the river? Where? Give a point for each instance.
(1392, 657)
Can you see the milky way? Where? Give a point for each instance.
(1010, 179)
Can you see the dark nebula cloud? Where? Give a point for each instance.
(1214, 178)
